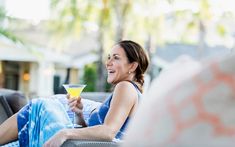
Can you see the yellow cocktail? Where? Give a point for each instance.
(74, 90)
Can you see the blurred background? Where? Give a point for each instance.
(47, 43)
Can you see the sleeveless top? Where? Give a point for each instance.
(98, 117)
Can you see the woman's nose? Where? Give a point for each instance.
(109, 62)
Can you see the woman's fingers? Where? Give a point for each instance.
(72, 103)
(75, 109)
(71, 100)
(68, 96)
(75, 103)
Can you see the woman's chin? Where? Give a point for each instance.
(111, 81)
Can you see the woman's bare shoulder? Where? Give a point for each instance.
(125, 89)
(124, 85)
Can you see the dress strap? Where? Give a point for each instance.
(133, 83)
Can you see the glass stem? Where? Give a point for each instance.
(74, 119)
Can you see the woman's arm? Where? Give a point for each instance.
(124, 99)
(123, 103)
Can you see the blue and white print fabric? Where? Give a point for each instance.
(40, 120)
(12, 144)
(88, 106)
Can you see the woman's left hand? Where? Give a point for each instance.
(57, 140)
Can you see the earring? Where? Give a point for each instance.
(129, 72)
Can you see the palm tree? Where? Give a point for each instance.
(103, 22)
(121, 10)
(4, 30)
(118, 9)
(150, 26)
(72, 18)
(200, 21)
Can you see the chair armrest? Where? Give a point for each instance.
(15, 99)
(6, 106)
(89, 143)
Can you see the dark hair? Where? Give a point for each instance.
(135, 53)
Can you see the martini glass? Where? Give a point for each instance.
(74, 90)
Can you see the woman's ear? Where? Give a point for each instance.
(133, 66)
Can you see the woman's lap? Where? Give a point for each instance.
(49, 116)
(45, 118)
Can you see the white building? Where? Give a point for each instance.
(32, 70)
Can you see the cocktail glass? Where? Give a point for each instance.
(74, 90)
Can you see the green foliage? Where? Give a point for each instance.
(7, 33)
(2, 14)
(221, 30)
(10, 36)
(89, 77)
(108, 87)
(191, 25)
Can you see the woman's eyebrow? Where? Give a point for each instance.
(116, 55)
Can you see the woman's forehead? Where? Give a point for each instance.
(117, 50)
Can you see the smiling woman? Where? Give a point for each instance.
(126, 65)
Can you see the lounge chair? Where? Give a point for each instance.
(12, 101)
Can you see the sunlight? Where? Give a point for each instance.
(33, 10)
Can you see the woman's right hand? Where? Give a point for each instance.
(75, 104)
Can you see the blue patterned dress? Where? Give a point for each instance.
(42, 118)
(98, 117)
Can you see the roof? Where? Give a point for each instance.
(16, 52)
(170, 52)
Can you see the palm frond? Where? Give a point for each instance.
(10, 36)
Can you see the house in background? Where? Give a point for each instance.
(166, 54)
(29, 70)
(38, 71)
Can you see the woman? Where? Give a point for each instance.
(125, 65)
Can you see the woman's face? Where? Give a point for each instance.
(118, 66)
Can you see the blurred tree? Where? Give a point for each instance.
(70, 19)
(196, 23)
(72, 16)
(89, 77)
(121, 9)
(203, 17)
(144, 21)
(4, 31)
(104, 20)
(147, 27)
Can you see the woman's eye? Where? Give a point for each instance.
(108, 57)
(115, 57)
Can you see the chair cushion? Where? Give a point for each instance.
(15, 99)
(5, 110)
(189, 104)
